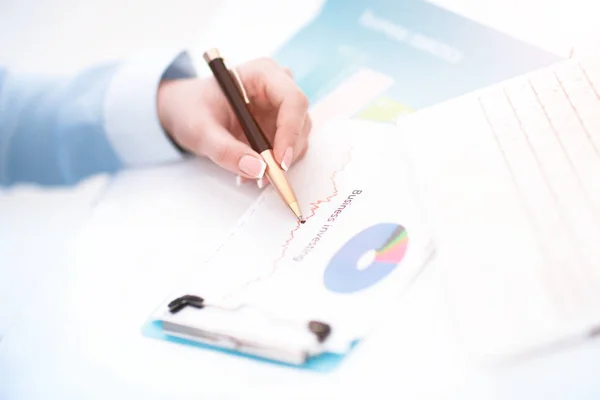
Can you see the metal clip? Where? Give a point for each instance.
(240, 85)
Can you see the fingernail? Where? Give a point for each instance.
(287, 158)
(262, 182)
(252, 166)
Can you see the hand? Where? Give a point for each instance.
(197, 115)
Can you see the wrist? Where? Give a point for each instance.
(181, 69)
(165, 116)
(130, 110)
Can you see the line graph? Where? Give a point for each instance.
(314, 206)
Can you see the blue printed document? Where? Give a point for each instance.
(377, 59)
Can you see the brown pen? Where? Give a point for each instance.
(238, 99)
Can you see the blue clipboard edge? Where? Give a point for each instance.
(324, 363)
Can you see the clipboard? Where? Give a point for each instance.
(306, 344)
(289, 343)
(305, 302)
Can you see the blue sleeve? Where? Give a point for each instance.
(60, 130)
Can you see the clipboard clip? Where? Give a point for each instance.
(187, 300)
(295, 353)
(321, 330)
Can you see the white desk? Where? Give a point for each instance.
(414, 357)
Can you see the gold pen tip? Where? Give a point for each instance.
(211, 54)
(296, 209)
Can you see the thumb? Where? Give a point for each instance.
(231, 154)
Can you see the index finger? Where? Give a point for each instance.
(287, 99)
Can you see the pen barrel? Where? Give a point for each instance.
(254, 134)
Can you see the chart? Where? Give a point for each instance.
(367, 258)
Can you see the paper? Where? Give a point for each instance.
(351, 96)
(429, 54)
(362, 244)
(510, 177)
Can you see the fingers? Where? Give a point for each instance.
(289, 134)
(231, 154)
(288, 72)
(272, 89)
(301, 147)
(261, 183)
(274, 86)
(302, 143)
(290, 150)
(240, 180)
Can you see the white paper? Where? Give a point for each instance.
(510, 178)
(352, 178)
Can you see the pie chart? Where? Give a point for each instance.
(367, 258)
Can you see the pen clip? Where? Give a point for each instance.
(240, 85)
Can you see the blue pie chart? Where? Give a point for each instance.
(367, 258)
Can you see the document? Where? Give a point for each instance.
(361, 246)
(410, 54)
(509, 177)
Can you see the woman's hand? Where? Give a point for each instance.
(197, 115)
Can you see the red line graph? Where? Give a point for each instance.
(314, 206)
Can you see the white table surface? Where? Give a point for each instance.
(64, 267)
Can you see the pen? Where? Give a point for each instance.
(238, 99)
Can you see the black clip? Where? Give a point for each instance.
(187, 300)
(320, 329)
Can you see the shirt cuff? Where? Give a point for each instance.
(130, 108)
